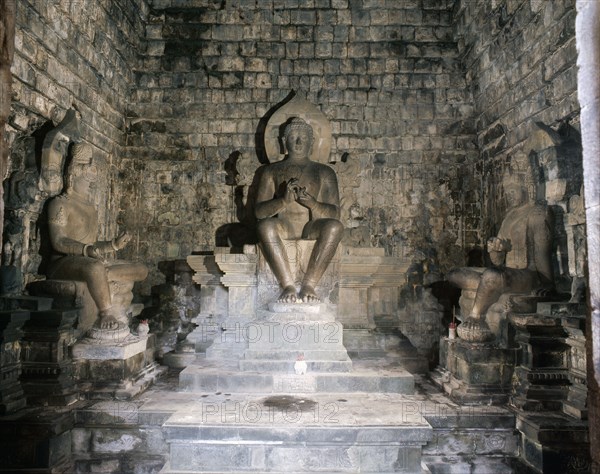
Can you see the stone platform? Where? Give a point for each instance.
(225, 432)
(253, 410)
(217, 431)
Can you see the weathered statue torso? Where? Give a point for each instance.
(78, 216)
(316, 179)
(519, 228)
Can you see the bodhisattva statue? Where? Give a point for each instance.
(298, 198)
(521, 258)
(73, 228)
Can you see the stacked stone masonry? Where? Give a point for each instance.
(63, 59)
(386, 73)
(519, 58)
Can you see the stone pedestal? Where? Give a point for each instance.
(69, 294)
(214, 303)
(541, 376)
(48, 372)
(290, 333)
(213, 296)
(177, 313)
(119, 369)
(475, 373)
(357, 270)
(240, 278)
(362, 283)
(576, 403)
(11, 393)
(36, 440)
(554, 442)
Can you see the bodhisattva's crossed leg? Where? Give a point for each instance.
(93, 272)
(491, 284)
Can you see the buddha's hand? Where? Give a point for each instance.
(291, 191)
(306, 199)
(122, 240)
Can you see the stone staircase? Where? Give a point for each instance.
(257, 413)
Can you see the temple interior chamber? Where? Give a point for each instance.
(291, 236)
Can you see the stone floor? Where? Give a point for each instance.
(145, 434)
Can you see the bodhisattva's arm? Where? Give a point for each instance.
(497, 248)
(105, 246)
(58, 226)
(266, 204)
(540, 240)
(327, 203)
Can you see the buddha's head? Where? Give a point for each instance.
(298, 137)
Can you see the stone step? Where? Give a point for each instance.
(291, 356)
(167, 469)
(287, 366)
(463, 464)
(296, 335)
(279, 445)
(197, 378)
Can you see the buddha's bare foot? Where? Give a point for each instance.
(288, 295)
(308, 295)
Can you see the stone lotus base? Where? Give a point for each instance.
(475, 330)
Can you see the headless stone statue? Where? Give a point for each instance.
(298, 198)
(520, 253)
(73, 228)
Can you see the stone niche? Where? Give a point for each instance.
(527, 348)
(64, 348)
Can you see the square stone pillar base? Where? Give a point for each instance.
(119, 369)
(474, 373)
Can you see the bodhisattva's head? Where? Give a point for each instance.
(298, 138)
(82, 174)
(515, 190)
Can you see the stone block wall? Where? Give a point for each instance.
(79, 53)
(386, 73)
(520, 60)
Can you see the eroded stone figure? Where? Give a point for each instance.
(298, 198)
(77, 254)
(520, 254)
